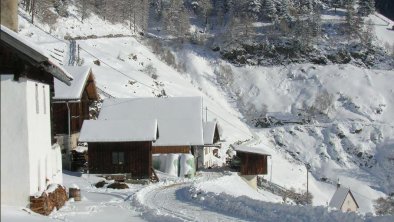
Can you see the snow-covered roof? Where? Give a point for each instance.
(209, 132)
(257, 150)
(119, 131)
(34, 53)
(74, 91)
(340, 196)
(179, 118)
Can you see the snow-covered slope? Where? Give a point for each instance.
(350, 137)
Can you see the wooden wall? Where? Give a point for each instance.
(137, 158)
(170, 149)
(79, 111)
(252, 164)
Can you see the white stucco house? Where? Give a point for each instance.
(29, 160)
(209, 153)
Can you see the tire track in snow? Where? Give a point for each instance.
(165, 201)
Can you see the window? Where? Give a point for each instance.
(45, 105)
(37, 105)
(117, 158)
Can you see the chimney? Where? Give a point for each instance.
(338, 184)
(9, 14)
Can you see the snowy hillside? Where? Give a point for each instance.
(337, 118)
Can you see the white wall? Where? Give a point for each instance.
(26, 149)
(349, 204)
(207, 156)
(14, 142)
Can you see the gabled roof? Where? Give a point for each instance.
(339, 197)
(81, 75)
(255, 150)
(209, 129)
(119, 131)
(34, 54)
(179, 118)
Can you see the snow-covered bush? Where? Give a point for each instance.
(151, 71)
(384, 206)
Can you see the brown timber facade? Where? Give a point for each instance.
(79, 112)
(170, 149)
(121, 157)
(252, 164)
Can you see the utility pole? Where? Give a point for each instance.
(308, 166)
(32, 11)
(206, 114)
(78, 60)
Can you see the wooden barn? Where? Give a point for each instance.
(71, 107)
(179, 118)
(210, 150)
(123, 147)
(254, 161)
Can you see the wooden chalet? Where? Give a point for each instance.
(74, 100)
(253, 160)
(120, 147)
(179, 118)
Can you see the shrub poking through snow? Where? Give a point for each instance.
(384, 206)
(117, 185)
(100, 184)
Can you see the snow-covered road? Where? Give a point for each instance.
(168, 201)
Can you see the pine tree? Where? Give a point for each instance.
(176, 19)
(269, 9)
(366, 7)
(283, 10)
(352, 25)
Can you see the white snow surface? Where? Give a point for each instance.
(357, 93)
(37, 49)
(257, 150)
(209, 132)
(80, 75)
(129, 130)
(179, 118)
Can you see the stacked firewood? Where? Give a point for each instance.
(45, 203)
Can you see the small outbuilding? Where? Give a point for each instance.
(71, 107)
(210, 151)
(344, 200)
(253, 162)
(120, 146)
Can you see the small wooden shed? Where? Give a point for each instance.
(73, 100)
(253, 160)
(120, 146)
